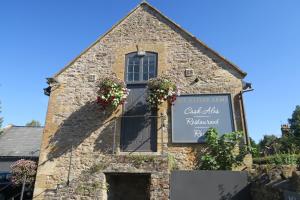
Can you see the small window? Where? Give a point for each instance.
(140, 68)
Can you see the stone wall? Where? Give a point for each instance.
(78, 135)
(91, 182)
(270, 182)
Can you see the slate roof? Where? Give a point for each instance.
(5, 166)
(144, 3)
(21, 141)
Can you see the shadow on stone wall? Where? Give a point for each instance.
(83, 122)
(104, 141)
(273, 182)
(77, 127)
(134, 127)
(236, 194)
(87, 184)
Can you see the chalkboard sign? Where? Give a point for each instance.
(193, 115)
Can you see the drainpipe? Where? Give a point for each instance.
(247, 88)
(70, 165)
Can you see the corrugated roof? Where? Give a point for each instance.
(21, 141)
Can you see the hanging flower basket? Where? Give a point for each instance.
(112, 92)
(160, 90)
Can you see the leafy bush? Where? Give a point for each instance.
(23, 169)
(279, 159)
(255, 148)
(225, 152)
(287, 159)
(289, 143)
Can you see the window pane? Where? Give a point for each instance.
(151, 75)
(130, 61)
(130, 68)
(136, 68)
(151, 69)
(136, 76)
(145, 60)
(141, 71)
(129, 76)
(136, 61)
(151, 59)
(145, 76)
(145, 69)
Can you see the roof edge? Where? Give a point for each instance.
(240, 71)
(11, 126)
(16, 126)
(8, 127)
(98, 39)
(243, 73)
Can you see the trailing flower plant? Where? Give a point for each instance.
(161, 89)
(111, 93)
(23, 170)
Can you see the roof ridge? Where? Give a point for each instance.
(99, 38)
(168, 19)
(199, 41)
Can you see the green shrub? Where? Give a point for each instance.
(225, 152)
(98, 167)
(172, 164)
(279, 159)
(138, 160)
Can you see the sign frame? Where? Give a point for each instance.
(231, 109)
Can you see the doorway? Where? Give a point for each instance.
(138, 125)
(126, 186)
(139, 122)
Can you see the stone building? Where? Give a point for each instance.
(16, 143)
(89, 153)
(285, 130)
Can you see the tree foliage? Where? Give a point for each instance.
(255, 148)
(295, 122)
(23, 169)
(269, 145)
(289, 144)
(225, 152)
(33, 123)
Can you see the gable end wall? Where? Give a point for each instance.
(76, 126)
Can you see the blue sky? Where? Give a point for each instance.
(37, 38)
